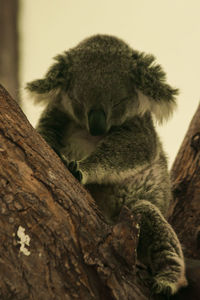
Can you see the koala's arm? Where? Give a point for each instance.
(51, 127)
(160, 248)
(121, 151)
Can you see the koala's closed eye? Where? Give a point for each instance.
(75, 100)
(120, 102)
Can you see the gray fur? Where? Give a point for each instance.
(101, 96)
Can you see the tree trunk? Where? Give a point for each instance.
(55, 244)
(184, 213)
(9, 60)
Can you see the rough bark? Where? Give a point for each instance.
(55, 243)
(9, 53)
(184, 214)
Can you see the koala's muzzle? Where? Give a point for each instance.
(97, 122)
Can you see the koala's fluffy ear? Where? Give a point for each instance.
(56, 79)
(154, 94)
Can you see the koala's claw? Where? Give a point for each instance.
(163, 288)
(73, 168)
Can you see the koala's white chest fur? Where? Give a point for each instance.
(78, 143)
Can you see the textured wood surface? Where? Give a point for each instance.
(184, 214)
(55, 243)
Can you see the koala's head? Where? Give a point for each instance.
(103, 83)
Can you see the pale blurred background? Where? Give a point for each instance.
(168, 29)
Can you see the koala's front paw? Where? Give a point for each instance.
(165, 287)
(73, 168)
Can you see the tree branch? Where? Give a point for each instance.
(185, 209)
(55, 243)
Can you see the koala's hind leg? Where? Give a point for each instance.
(160, 248)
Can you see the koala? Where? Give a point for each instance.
(102, 98)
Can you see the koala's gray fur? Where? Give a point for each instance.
(101, 96)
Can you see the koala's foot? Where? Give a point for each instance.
(160, 248)
(73, 168)
(165, 287)
(168, 286)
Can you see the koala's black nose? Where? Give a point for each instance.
(97, 122)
